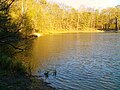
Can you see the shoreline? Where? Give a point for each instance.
(22, 82)
(39, 84)
(65, 31)
(53, 32)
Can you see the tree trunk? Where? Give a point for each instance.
(116, 24)
(78, 22)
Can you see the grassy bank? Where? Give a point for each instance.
(85, 30)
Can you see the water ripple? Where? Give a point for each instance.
(84, 64)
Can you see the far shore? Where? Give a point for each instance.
(66, 31)
(52, 32)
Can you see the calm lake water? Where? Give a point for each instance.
(85, 61)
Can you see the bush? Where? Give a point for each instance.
(18, 67)
(5, 62)
(15, 66)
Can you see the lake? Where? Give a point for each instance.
(82, 61)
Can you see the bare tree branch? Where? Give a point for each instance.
(7, 5)
(10, 35)
(12, 45)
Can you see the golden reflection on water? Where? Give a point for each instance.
(46, 49)
(85, 59)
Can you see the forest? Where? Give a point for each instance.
(41, 16)
(44, 16)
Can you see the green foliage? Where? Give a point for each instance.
(18, 67)
(10, 30)
(5, 62)
(27, 26)
(10, 64)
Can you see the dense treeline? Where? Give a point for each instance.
(40, 16)
(29, 16)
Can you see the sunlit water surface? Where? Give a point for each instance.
(86, 61)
